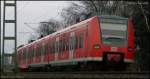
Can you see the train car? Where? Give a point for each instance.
(90, 43)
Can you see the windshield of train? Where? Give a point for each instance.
(114, 30)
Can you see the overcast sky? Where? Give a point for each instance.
(31, 12)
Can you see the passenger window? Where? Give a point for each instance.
(46, 48)
(63, 48)
(32, 52)
(56, 47)
(81, 40)
(42, 50)
(59, 46)
(38, 51)
(25, 53)
(70, 43)
(67, 45)
(76, 42)
(52, 47)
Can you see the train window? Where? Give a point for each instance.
(70, 43)
(43, 50)
(46, 48)
(60, 46)
(76, 42)
(24, 54)
(32, 52)
(73, 42)
(81, 40)
(52, 47)
(57, 47)
(27, 53)
(63, 45)
(67, 45)
(40, 51)
(19, 55)
(114, 30)
(37, 51)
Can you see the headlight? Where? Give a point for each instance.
(96, 46)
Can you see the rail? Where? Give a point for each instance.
(87, 74)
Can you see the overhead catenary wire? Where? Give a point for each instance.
(46, 14)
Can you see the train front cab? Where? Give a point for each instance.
(116, 40)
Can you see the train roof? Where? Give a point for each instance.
(112, 17)
(57, 32)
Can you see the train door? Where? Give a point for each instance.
(42, 52)
(34, 54)
(56, 48)
(82, 43)
(29, 55)
(25, 56)
(21, 57)
(71, 44)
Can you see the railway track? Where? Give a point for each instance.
(86, 74)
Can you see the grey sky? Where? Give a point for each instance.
(32, 12)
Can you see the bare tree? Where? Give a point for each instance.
(73, 14)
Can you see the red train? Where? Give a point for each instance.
(107, 39)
